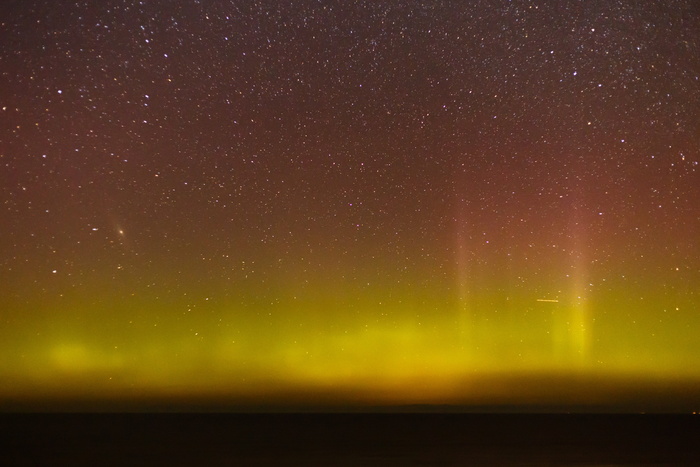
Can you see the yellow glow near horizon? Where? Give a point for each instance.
(401, 361)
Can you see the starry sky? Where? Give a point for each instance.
(384, 202)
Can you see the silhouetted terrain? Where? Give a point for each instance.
(349, 439)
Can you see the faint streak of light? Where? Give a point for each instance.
(548, 300)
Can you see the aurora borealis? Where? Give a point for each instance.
(382, 202)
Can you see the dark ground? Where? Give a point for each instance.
(348, 439)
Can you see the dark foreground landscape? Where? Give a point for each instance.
(349, 439)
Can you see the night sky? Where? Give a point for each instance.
(387, 202)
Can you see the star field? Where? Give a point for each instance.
(388, 198)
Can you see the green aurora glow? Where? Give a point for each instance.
(351, 203)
